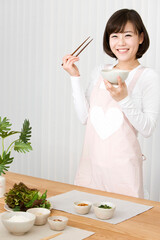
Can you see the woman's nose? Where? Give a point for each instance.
(121, 41)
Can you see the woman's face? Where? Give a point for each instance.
(125, 45)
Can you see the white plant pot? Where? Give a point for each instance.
(2, 186)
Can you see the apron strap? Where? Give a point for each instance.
(135, 79)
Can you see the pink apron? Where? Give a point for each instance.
(111, 159)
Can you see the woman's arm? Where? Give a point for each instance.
(144, 120)
(79, 99)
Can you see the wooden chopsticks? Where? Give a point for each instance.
(52, 236)
(80, 47)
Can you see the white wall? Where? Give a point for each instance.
(34, 36)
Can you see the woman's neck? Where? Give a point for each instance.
(127, 66)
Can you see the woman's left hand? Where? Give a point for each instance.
(119, 92)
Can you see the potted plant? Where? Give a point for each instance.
(21, 144)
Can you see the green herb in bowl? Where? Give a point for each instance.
(105, 206)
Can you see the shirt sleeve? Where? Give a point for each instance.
(144, 119)
(81, 98)
(80, 101)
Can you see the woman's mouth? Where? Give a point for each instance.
(122, 50)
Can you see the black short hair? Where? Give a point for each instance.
(117, 22)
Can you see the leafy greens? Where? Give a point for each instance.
(21, 198)
(105, 206)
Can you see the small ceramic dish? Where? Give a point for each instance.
(41, 215)
(104, 210)
(18, 223)
(112, 74)
(82, 207)
(57, 223)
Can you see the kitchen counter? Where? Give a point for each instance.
(143, 226)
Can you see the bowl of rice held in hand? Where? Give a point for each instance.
(111, 75)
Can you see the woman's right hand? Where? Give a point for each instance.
(69, 66)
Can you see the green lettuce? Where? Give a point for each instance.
(21, 198)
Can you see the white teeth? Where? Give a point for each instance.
(122, 50)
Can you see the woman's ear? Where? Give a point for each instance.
(141, 38)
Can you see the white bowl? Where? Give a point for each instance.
(80, 209)
(104, 213)
(41, 215)
(18, 226)
(112, 74)
(57, 223)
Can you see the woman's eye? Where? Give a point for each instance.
(128, 35)
(113, 36)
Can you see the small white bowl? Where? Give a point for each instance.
(41, 215)
(112, 74)
(80, 209)
(18, 227)
(104, 213)
(57, 223)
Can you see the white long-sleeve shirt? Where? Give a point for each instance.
(141, 107)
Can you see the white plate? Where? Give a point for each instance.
(8, 208)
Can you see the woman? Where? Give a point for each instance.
(112, 158)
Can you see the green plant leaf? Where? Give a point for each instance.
(4, 126)
(22, 147)
(26, 132)
(5, 161)
(6, 134)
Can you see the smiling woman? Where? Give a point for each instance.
(125, 46)
(112, 160)
(123, 30)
